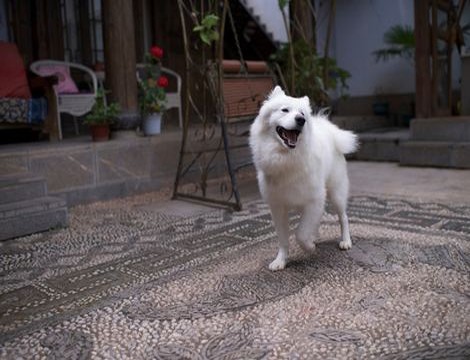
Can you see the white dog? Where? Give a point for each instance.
(299, 157)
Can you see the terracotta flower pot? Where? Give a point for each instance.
(100, 132)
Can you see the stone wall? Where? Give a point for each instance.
(81, 171)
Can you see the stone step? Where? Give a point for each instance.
(381, 144)
(362, 123)
(435, 153)
(30, 216)
(21, 187)
(452, 129)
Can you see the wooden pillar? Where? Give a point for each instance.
(85, 34)
(49, 30)
(422, 59)
(22, 28)
(139, 17)
(120, 63)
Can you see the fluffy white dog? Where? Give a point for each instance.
(299, 158)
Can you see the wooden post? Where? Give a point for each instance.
(120, 60)
(85, 34)
(22, 29)
(139, 14)
(422, 59)
(49, 31)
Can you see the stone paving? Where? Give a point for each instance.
(146, 278)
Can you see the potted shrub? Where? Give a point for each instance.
(400, 43)
(152, 92)
(101, 117)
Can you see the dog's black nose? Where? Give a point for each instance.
(300, 120)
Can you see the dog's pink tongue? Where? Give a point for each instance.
(291, 137)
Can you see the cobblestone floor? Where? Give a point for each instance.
(143, 278)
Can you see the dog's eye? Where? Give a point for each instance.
(286, 110)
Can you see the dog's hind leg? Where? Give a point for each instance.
(338, 195)
(281, 224)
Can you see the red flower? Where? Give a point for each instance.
(162, 81)
(156, 52)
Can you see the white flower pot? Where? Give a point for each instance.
(152, 124)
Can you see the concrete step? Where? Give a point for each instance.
(21, 187)
(30, 216)
(381, 144)
(362, 123)
(452, 129)
(435, 153)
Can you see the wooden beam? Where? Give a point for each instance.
(140, 47)
(120, 60)
(48, 30)
(85, 33)
(434, 59)
(22, 28)
(422, 59)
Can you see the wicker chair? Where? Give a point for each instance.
(76, 104)
(173, 98)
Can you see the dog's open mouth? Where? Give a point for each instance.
(288, 136)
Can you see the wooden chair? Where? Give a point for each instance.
(76, 103)
(173, 98)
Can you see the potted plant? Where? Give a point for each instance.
(400, 43)
(101, 117)
(152, 92)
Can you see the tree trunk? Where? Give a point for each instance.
(303, 22)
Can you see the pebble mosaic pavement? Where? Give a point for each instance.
(126, 282)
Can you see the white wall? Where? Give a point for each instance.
(270, 16)
(358, 31)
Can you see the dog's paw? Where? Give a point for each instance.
(308, 247)
(345, 245)
(277, 264)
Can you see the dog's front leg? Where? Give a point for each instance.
(281, 224)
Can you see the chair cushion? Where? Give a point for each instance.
(13, 81)
(65, 85)
(14, 110)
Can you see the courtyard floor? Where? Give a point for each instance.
(145, 277)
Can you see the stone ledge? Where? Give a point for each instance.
(456, 129)
(435, 153)
(361, 123)
(80, 171)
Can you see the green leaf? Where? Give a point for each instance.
(282, 4)
(205, 38)
(210, 20)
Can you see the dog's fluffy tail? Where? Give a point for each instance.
(346, 141)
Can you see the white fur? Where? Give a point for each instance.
(300, 178)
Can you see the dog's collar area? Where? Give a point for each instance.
(288, 136)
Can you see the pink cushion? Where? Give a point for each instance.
(66, 85)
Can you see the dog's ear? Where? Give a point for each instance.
(306, 103)
(276, 92)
